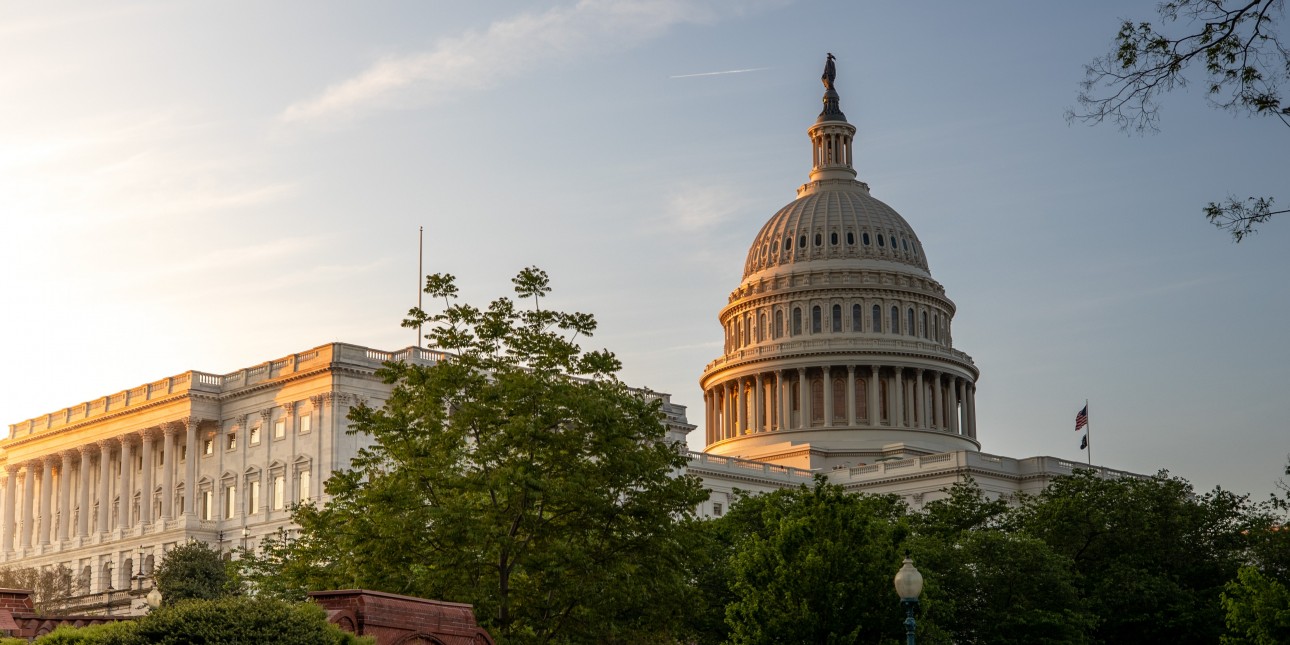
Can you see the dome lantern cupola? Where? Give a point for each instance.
(832, 137)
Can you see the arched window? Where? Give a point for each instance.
(819, 239)
(924, 327)
(801, 241)
(833, 238)
(880, 243)
(817, 401)
(895, 320)
(795, 394)
(862, 399)
(839, 400)
(797, 321)
(816, 323)
(876, 327)
(761, 325)
(779, 323)
(748, 328)
(851, 238)
(837, 318)
(788, 243)
(856, 318)
(864, 237)
(904, 245)
(936, 329)
(739, 332)
(909, 322)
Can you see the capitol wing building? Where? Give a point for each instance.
(839, 360)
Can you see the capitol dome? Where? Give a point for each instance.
(838, 348)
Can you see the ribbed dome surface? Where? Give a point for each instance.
(838, 222)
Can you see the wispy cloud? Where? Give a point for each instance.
(699, 208)
(729, 71)
(477, 60)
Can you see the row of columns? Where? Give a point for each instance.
(30, 528)
(765, 402)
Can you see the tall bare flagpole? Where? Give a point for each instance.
(421, 236)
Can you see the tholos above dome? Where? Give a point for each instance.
(842, 221)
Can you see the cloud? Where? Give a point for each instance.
(700, 208)
(478, 60)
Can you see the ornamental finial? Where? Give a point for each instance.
(832, 103)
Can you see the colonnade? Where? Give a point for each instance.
(110, 504)
(864, 395)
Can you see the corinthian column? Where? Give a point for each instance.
(190, 481)
(145, 500)
(28, 497)
(65, 496)
(125, 491)
(10, 498)
(83, 499)
(46, 498)
(105, 484)
(168, 471)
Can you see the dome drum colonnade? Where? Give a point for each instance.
(837, 324)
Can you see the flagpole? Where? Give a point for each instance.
(421, 236)
(1088, 433)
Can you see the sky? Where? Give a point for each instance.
(207, 186)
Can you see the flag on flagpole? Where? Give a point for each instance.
(1081, 418)
(1083, 442)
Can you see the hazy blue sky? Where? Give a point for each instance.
(211, 185)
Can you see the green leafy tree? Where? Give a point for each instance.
(227, 621)
(986, 584)
(194, 570)
(811, 565)
(518, 475)
(1258, 609)
(1150, 556)
(1245, 59)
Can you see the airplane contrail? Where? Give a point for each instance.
(729, 71)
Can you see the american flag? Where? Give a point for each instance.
(1081, 418)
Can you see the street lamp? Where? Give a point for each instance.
(909, 584)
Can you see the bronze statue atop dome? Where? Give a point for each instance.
(830, 73)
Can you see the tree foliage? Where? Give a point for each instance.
(227, 621)
(52, 588)
(517, 474)
(194, 571)
(1245, 60)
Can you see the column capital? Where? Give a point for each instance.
(149, 433)
(12, 469)
(288, 409)
(71, 453)
(106, 445)
(51, 459)
(171, 428)
(320, 399)
(128, 439)
(266, 414)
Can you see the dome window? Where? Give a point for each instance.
(788, 244)
(877, 319)
(856, 318)
(819, 239)
(833, 238)
(801, 241)
(909, 323)
(864, 237)
(904, 244)
(851, 238)
(837, 318)
(880, 241)
(895, 320)
(779, 323)
(797, 321)
(816, 323)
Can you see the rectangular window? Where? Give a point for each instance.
(183, 453)
(716, 509)
(208, 447)
(230, 502)
(304, 485)
(254, 438)
(253, 498)
(279, 428)
(232, 441)
(208, 501)
(306, 424)
(279, 491)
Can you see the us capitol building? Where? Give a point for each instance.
(839, 359)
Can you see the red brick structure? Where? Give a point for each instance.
(18, 616)
(402, 620)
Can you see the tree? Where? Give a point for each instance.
(1245, 61)
(1150, 556)
(987, 584)
(1258, 609)
(194, 570)
(52, 587)
(811, 565)
(227, 621)
(517, 474)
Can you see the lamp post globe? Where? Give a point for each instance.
(909, 585)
